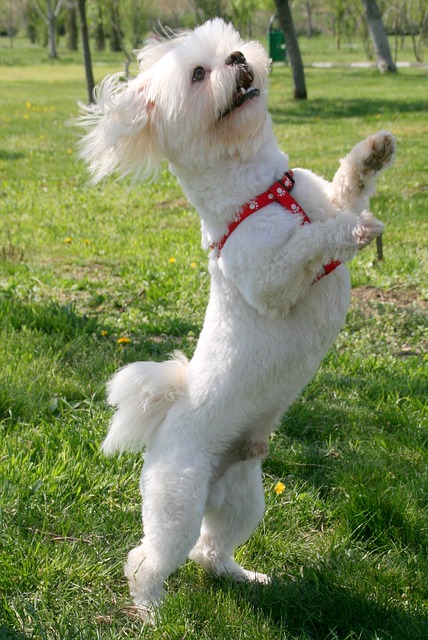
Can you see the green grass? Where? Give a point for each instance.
(81, 267)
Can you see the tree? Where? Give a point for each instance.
(378, 35)
(10, 17)
(49, 17)
(99, 33)
(71, 28)
(309, 5)
(339, 12)
(205, 9)
(293, 51)
(242, 12)
(411, 17)
(137, 17)
(90, 84)
(115, 26)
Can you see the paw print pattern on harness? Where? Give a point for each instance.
(279, 191)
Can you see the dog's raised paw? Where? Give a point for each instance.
(367, 229)
(380, 152)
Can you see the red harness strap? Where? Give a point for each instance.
(279, 192)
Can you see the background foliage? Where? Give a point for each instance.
(115, 24)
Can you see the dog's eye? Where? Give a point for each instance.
(198, 74)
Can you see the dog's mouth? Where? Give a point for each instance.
(244, 91)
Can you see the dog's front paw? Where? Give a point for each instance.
(378, 152)
(354, 182)
(367, 229)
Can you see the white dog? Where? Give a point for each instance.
(199, 102)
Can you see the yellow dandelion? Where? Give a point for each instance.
(26, 116)
(124, 340)
(193, 265)
(104, 333)
(279, 488)
(172, 261)
(28, 105)
(69, 151)
(68, 240)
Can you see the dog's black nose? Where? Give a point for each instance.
(236, 57)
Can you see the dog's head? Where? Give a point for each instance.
(200, 98)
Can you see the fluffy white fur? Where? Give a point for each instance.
(205, 423)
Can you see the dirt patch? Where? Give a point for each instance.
(406, 308)
(92, 271)
(176, 203)
(364, 297)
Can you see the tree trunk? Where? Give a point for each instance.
(308, 6)
(378, 35)
(90, 84)
(115, 28)
(293, 51)
(100, 43)
(51, 19)
(32, 22)
(71, 29)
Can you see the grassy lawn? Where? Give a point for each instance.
(83, 268)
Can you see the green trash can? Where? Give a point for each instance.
(276, 42)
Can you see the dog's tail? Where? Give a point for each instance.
(143, 392)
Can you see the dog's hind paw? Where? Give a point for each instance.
(146, 614)
(256, 576)
(238, 574)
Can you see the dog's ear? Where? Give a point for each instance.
(120, 134)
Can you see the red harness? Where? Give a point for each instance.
(279, 192)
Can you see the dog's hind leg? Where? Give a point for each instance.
(174, 498)
(235, 508)
(354, 181)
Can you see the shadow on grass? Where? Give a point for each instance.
(336, 409)
(49, 318)
(6, 633)
(11, 155)
(341, 109)
(357, 446)
(314, 606)
(51, 351)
